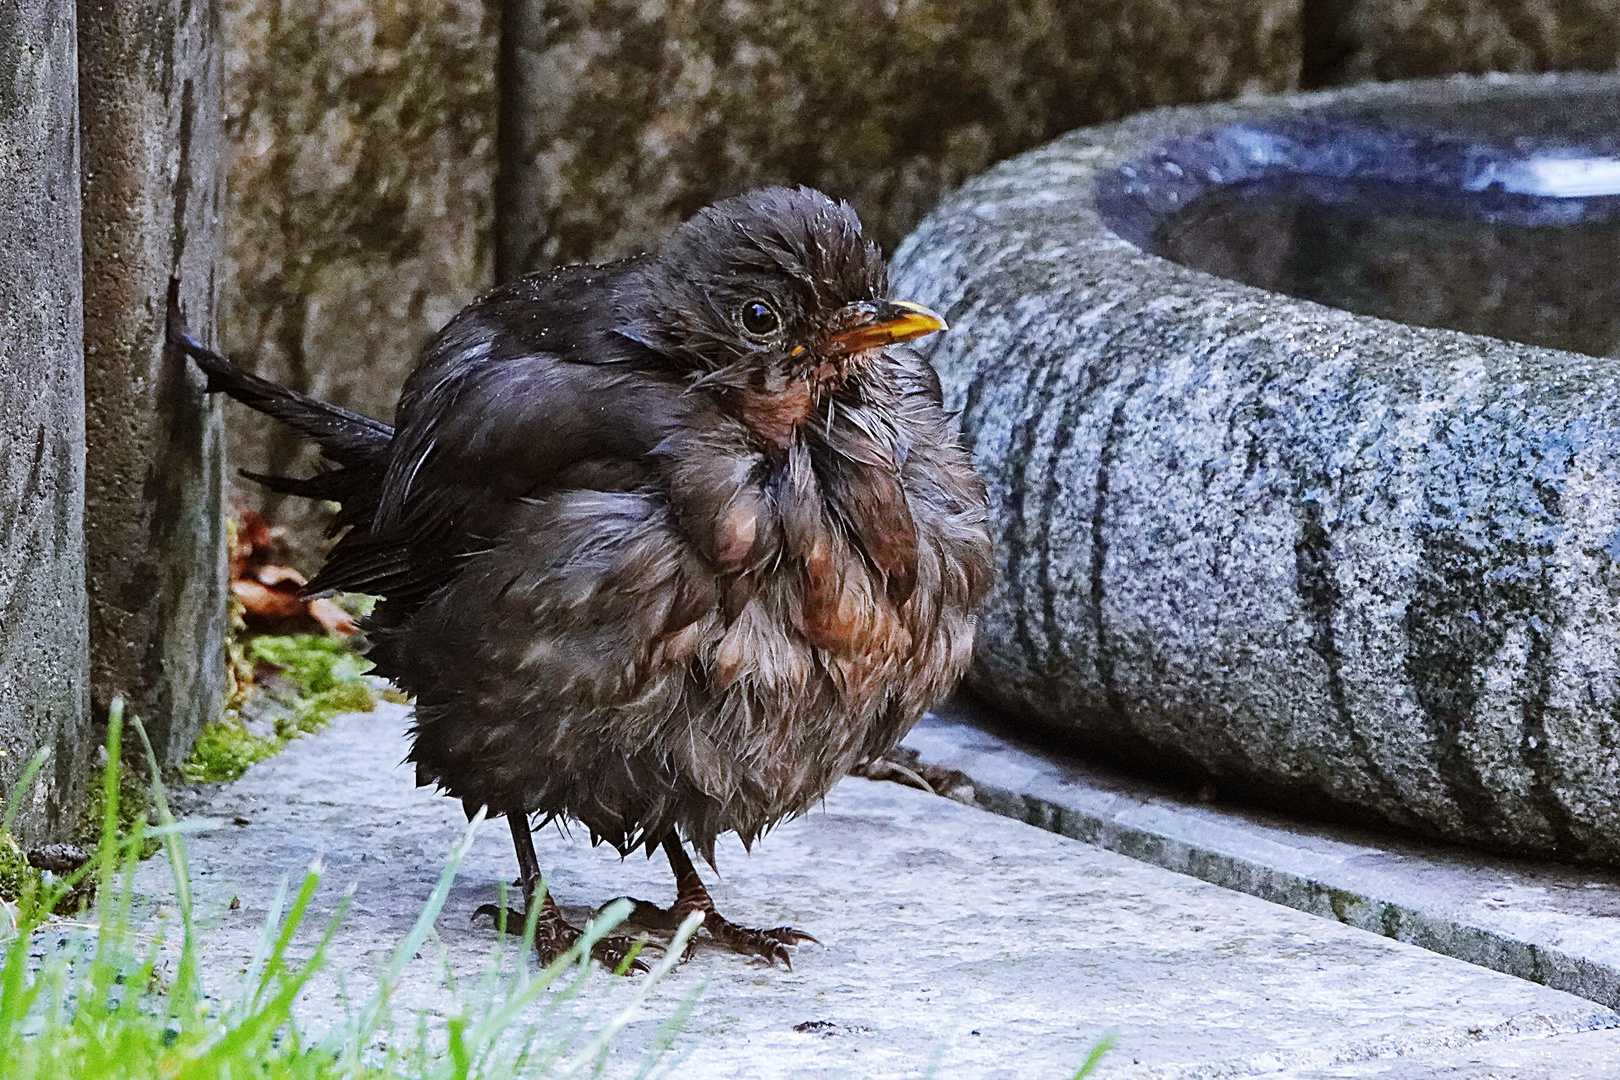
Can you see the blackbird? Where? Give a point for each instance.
(666, 546)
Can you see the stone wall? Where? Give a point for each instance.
(621, 118)
(43, 646)
(363, 145)
(149, 92)
(362, 137)
(1351, 41)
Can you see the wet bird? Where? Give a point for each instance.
(666, 546)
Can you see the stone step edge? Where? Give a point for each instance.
(1204, 842)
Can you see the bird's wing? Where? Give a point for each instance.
(487, 421)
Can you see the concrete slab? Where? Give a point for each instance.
(1592, 1055)
(955, 940)
(1553, 924)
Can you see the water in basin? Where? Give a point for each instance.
(1534, 257)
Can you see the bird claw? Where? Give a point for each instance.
(769, 945)
(553, 937)
(502, 916)
(789, 936)
(777, 951)
(619, 955)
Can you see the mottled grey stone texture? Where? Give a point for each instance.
(1349, 41)
(1315, 555)
(149, 121)
(361, 138)
(1589, 1055)
(44, 689)
(621, 118)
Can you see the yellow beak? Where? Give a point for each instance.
(891, 322)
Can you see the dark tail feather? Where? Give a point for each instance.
(339, 485)
(353, 487)
(344, 437)
(357, 444)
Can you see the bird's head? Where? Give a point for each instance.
(773, 297)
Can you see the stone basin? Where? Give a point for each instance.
(1304, 448)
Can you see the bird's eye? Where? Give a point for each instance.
(760, 319)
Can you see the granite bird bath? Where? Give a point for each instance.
(1303, 449)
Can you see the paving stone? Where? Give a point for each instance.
(1543, 921)
(952, 936)
(1592, 1055)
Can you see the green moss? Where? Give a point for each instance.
(317, 664)
(225, 751)
(15, 873)
(355, 696)
(327, 679)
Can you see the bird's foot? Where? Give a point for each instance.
(555, 935)
(771, 945)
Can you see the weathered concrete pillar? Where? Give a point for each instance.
(149, 89)
(43, 657)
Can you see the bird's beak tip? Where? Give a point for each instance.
(894, 321)
(918, 320)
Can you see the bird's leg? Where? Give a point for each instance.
(691, 895)
(553, 934)
(528, 861)
(528, 880)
